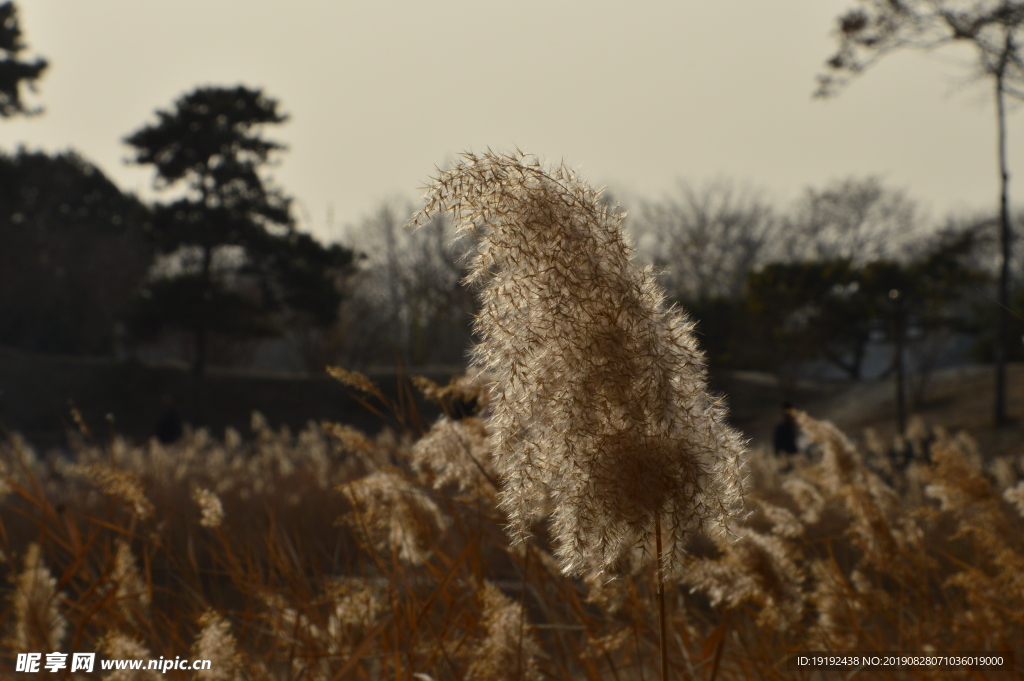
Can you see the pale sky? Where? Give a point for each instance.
(634, 95)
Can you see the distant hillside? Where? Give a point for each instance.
(956, 399)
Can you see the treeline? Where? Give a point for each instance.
(848, 264)
(88, 269)
(75, 248)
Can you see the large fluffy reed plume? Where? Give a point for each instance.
(599, 406)
(38, 622)
(600, 411)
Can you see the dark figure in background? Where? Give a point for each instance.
(168, 428)
(786, 431)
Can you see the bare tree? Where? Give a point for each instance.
(407, 295)
(879, 27)
(858, 220)
(707, 238)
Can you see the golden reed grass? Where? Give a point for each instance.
(342, 564)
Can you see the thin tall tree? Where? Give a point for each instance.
(240, 263)
(879, 27)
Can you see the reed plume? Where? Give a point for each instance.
(457, 452)
(121, 484)
(130, 591)
(393, 515)
(210, 506)
(356, 606)
(758, 568)
(119, 646)
(1015, 495)
(506, 652)
(807, 498)
(217, 644)
(38, 622)
(599, 409)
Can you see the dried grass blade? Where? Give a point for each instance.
(357, 653)
(444, 582)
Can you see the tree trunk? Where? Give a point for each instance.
(199, 350)
(999, 348)
(857, 363)
(199, 354)
(901, 393)
(662, 625)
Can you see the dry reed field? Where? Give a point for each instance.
(595, 518)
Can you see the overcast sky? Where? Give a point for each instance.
(635, 95)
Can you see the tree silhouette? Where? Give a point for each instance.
(831, 309)
(786, 303)
(880, 27)
(74, 251)
(12, 71)
(235, 265)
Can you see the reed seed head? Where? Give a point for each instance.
(394, 515)
(211, 507)
(1015, 495)
(122, 484)
(129, 587)
(759, 568)
(508, 650)
(457, 452)
(599, 407)
(38, 622)
(119, 646)
(217, 644)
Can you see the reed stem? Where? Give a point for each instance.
(663, 639)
